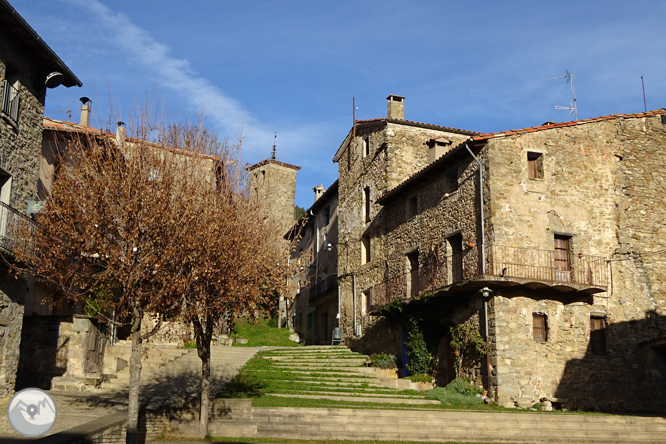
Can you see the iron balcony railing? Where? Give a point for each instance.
(10, 101)
(503, 262)
(16, 231)
(320, 287)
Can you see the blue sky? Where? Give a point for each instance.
(292, 67)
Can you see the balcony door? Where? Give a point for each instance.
(456, 263)
(562, 258)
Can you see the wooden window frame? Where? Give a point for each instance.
(540, 327)
(534, 165)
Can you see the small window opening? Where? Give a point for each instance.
(366, 146)
(452, 180)
(412, 206)
(366, 206)
(598, 335)
(365, 249)
(539, 327)
(534, 166)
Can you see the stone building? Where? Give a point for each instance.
(27, 68)
(314, 311)
(548, 239)
(272, 187)
(375, 157)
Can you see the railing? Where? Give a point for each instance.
(16, 230)
(322, 286)
(504, 262)
(10, 101)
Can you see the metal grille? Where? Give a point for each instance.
(10, 101)
(16, 231)
(506, 262)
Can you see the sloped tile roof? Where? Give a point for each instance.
(487, 136)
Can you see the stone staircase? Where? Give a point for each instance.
(116, 362)
(115, 372)
(337, 374)
(432, 426)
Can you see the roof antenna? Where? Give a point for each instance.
(573, 108)
(644, 102)
(274, 150)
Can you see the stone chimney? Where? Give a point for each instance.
(437, 148)
(121, 132)
(319, 191)
(85, 111)
(395, 107)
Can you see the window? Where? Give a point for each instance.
(534, 166)
(366, 205)
(10, 95)
(539, 327)
(412, 206)
(452, 180)
(413, 263)
(366, 146)
(327, 216)
(562, 258)
(365, 249)
(455, 273)
(598, 335)
(364, 302)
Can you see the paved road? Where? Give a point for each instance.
(179, 378)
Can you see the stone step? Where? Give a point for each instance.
(362, 398)
(420, 425)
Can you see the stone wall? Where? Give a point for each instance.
(600, 186)
(52, 346)
(273, 187)
(20, 143)
(396, 151)
(12, 292)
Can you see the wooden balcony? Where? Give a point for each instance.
(505, 267)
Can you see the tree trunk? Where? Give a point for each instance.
(203, 335)
(134, 380)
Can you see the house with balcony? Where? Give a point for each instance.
(28, 66)
(549, 239)
(314, 238)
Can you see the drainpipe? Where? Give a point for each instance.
(354, 294)
(483, 231)
(487, 292)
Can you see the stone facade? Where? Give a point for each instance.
(564, 277)
(314, 238)
(376, 156)
(26, 65)
(273, 187)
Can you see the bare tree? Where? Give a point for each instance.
(227, 265)
(137, 227)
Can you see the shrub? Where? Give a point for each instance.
(462, 386)
(272, 323)
(449, 397)
(420, 377)
(190, 344)
(420, 358)
(383, 360)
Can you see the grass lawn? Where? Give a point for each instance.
(259, 334)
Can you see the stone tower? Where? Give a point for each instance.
(273, 188)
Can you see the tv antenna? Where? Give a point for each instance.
(68, 111)
(273, 156)
(573, 108)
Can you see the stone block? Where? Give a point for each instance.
(81, 324)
